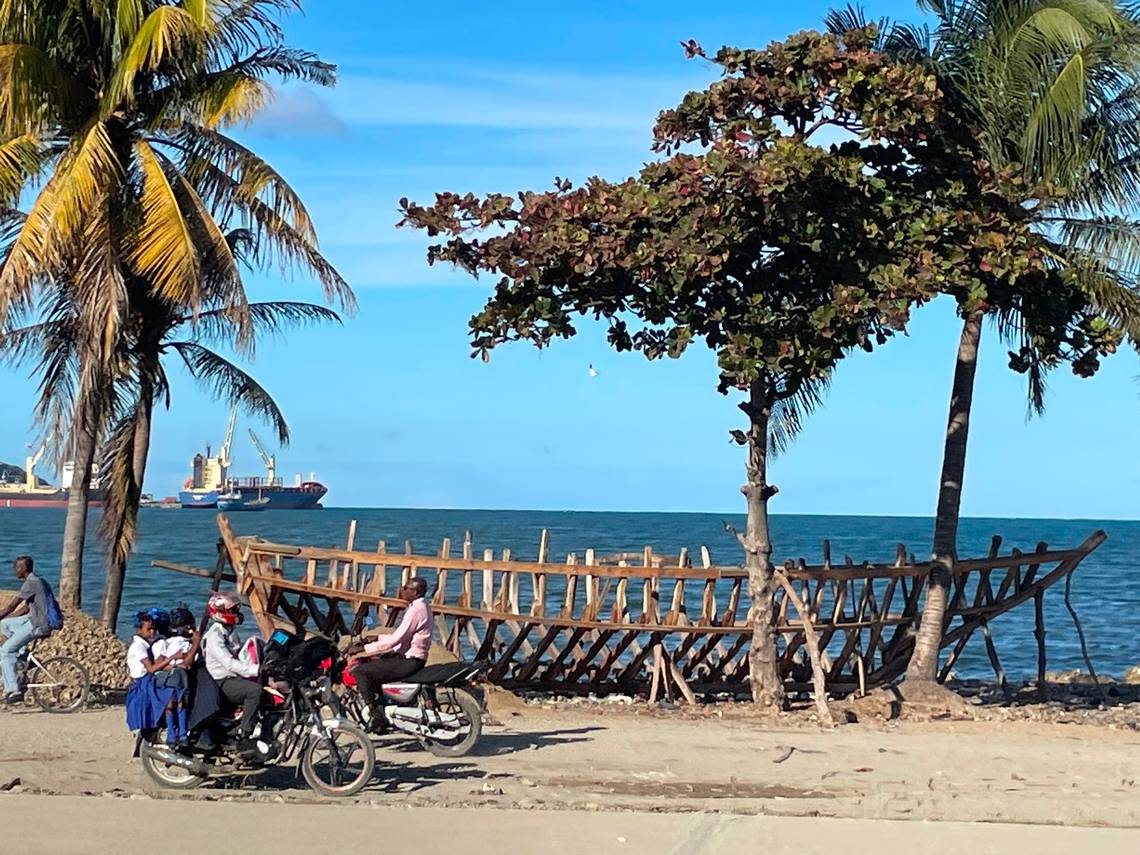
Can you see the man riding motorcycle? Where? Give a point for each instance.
(237, 680)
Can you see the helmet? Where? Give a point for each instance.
(224, 609)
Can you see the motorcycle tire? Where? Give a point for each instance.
(167, 777)
(470, 709)
(346, 736)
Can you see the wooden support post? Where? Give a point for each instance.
(351, 535)
(590, 611)
(819, 682)
(488, 581)
(571, 588)
(380, 577)
(441, 573)
(1039, 634)
(991, 651)
(409, 570)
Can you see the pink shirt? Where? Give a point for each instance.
(412, 637)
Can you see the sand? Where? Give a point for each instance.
(578, 767)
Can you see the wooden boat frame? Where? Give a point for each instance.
(640, 622)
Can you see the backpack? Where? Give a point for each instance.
(52, 613)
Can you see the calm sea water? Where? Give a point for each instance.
(1106, 591)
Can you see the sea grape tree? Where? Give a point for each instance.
(798, 208)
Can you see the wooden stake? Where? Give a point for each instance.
(1039, 633)
(819, 683)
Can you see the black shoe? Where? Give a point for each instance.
(14, 698)
(249, 751)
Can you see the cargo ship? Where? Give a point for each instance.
(22, 488)
(210, 480)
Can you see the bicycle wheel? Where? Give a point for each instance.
(465, 732)
(58, 685)
(341, 763)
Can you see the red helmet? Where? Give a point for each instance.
(224, 609)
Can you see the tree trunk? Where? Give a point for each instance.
(84, 442)
(767, 688)
(923, 665)
(116, 557)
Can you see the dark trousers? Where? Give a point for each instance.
(245, 693)
(372, 674)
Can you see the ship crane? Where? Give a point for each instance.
(269, 460)
(224, 451)
(30, 464)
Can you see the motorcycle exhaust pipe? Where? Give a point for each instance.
(173, 758)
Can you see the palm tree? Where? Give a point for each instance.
(113, 115)
(162, 332)
(1051, 89)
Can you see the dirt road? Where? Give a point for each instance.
(602, 770)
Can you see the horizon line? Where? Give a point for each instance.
(711, 513)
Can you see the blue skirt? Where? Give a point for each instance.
(146, 702)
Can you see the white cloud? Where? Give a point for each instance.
(297, 111)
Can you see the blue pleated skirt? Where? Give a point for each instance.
(146, 702)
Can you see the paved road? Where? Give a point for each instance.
(71, 825)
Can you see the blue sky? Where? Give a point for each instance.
(390, 410)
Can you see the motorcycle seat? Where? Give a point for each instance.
(438, 673)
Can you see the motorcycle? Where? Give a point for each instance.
(434, 705)
(336, 757)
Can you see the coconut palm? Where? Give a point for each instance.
(157, 331)
(114, 116)
(1051, 89)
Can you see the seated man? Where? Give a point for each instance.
(23, 620)
(237, 680)
(397, 655)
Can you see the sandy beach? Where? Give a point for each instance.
(579, 780)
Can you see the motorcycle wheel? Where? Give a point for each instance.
(169, 777)
(340, 765)
(458, 702)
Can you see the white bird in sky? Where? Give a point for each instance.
(590, 370)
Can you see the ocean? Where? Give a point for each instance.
(1105, 591)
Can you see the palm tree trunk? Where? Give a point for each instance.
(767, 688)
(923, 665)
(84, 442)
(117, 554)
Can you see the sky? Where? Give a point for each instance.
(389, 409)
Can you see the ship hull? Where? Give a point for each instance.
(53, 499)
(198, 499)
(305, 497)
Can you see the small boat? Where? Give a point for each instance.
(235, 501)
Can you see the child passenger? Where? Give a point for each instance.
(178, 649)
(146, 701)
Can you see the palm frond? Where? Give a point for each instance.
(792, 409)
(21, 159)
(225, 381)
(267, 318)
(33, 89)
(162, 249)
(166, 34)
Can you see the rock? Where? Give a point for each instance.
(1132, 676)
(1075, 676)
